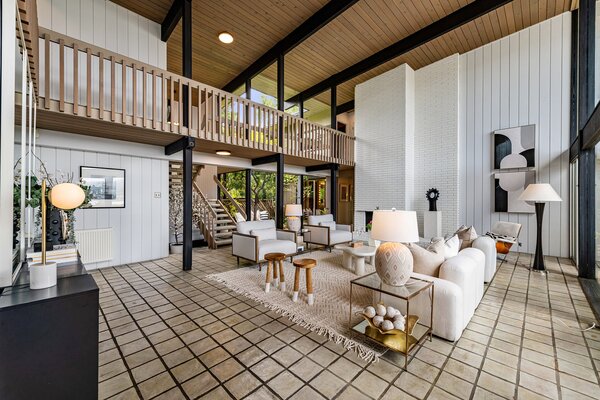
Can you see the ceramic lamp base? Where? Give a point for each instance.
(294, 224)
(42, 276)
(393, 263)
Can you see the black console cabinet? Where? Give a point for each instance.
(49, 338)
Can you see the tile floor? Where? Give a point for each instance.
(169, 334)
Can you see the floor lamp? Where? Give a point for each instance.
(540, 194)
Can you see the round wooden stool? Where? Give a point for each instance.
(307, 264)
(273, 259)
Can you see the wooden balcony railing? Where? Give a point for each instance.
(81, 79)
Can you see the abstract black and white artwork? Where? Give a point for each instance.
(514, 147)
(107, 186)
(508, 186)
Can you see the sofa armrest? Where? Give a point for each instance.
(245, 246)
(462, 271)
(488, 246)
(317, 234)
(283, 234)
(343, 227)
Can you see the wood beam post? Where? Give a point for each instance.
(333, 169)
(247, 112)
(279, 193)
(301, 178)
(187, 56)
(334, 107)
(587, 157)
(248, 194)
(280, 94)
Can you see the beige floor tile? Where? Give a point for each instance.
(266, 369)
(187, 370)
(370, 384)
(285, 384)
(242, 384)
(114, 385)
(199, 385)
(306, 369)
(327, 384)
(156, 385)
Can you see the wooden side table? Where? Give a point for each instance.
(307, 264)
(275, 260)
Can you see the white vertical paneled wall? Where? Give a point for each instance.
(141, 229)
(105, 24)
(518, 80)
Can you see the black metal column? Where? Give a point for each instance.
(248, 195)
(333, 190)
(279, 192)
(280, 93)
(186, 145)
(587, 158)
(301, 178)
(334, 107)
(247, 112)
(187, 55)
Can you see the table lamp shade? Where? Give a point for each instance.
(539, 193)
(293, 210)
(395, 226)
(66, 196)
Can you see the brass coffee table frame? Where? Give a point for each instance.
(373, 283)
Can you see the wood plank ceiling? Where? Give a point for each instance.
(365, 28)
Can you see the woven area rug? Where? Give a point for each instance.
(328, 315)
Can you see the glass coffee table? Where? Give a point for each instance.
(405, 344)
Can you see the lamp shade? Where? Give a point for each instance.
(66, 196)
(293, 210)
(395, 226)
(539, 193)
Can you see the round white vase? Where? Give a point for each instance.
(42, 276)
(393, 263)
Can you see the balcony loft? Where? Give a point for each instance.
(88, 90)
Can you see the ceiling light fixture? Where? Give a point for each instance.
(226, 37)
(223, 152)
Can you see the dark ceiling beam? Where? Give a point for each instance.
(322, 167)
(327, 13)
(444, 25)
(171, 20)
(345, 107)
(266, 159)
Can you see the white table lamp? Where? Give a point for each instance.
(293, 212)
(393, 260)
(540, 194)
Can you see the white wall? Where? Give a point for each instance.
(384, 130)
(140, 230)
(436, 139)
(519, 80)
(105, 24)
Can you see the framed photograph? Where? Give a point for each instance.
(107, 186)
(344, 193)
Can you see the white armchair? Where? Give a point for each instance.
(254, 239)
(322, 230)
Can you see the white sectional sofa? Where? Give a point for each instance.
(322, 230)
(458, 291)
(254, 239)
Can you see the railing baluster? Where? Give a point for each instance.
(88, 58)
(101, 83)
(144, 102)
(47, 71)
(153, 102)
(189, 104)
(180, 107)
(163, 105)
(199, 111)
(75, 79)
(134, 90)
(124, 92)
(171, 105)
(61, 87)
(112, 89)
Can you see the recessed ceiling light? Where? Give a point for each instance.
(225, 37)
(223, 152)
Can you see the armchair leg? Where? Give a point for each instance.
(238, 261)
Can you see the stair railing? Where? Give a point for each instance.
(208, 216)
(236, 205)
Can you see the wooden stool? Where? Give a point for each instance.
(307, 264)
(273, 259)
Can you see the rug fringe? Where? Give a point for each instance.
(363, 352)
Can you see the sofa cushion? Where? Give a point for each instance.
(264, 234)
(337, 237)
(467, 235)
(275, 246)
(424, 261)
(317, 219)
(246, 227)
(329, 224)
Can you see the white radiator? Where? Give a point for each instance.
(94, 245)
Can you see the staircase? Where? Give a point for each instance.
(209, 215)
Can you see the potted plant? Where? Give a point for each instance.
(176, 220)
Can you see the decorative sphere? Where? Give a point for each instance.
(393, 263)
(391, 312)
(387, 325)
(399, 324)
(399, 317)
(369, 312)
(377, 320)
(381, 310)
(66, 196)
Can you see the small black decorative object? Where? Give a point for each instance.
(432, 195)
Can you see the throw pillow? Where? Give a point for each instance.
(447, 248)
(466, 235)
(330, 224)
(426, 262)
(264, 234)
